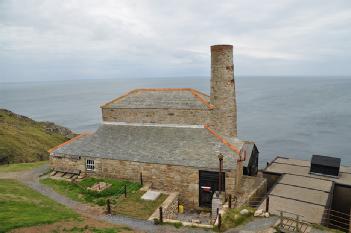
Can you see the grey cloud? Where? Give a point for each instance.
(61, 39)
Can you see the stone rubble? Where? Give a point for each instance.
(99, 187)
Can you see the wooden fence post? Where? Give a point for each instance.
(230, 201)
(161, 215)
(141, 179)
(125, 190)
(267, 204)
(297, 223)
(219, 222)
(108, 206)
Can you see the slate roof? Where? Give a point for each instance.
(194, 147)
(179, 98)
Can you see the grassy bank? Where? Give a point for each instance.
(84, 224)
(22, 207)
(24, 140)
(21, 166)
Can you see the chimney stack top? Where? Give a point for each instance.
(221, 47)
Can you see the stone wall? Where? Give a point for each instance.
(170, 206)
(67, 163)
(161, 116)
(184, 180)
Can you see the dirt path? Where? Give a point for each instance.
(31, 179)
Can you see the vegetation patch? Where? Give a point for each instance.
(21, 166)
(24, 140)
(95, 230)
(135, 207)
(79, 191)
(324, 228)
(84, 224)
(21, 206)
(232, 218)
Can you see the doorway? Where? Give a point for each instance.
(208, 185)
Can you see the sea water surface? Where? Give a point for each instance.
(287, 116)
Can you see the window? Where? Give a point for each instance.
(90, 165)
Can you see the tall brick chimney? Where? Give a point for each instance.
(223, 117)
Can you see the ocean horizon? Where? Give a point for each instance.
(292, 116)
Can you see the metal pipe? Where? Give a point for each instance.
(220, 157)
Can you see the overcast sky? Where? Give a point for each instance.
(61, 40)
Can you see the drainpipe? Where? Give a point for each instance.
(220, 158)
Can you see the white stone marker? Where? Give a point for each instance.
(151, 195)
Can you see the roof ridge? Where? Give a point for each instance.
(202, 99)
(197, 94)
(69, 141)
(224, 141)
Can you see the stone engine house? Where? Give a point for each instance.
(170, 136)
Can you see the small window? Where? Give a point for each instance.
(90, 165)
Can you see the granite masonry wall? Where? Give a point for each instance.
(161, 116)
(67, 163)
(184, 180)
(170, 206)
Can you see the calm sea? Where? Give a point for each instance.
(291, 116)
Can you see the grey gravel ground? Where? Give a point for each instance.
(31, 179)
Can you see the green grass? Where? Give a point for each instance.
(20, 166)
(134, 206)
(324, 228)
(232, 218)
(79, 192)
(20, 206)
(96, 230)
(24, 140)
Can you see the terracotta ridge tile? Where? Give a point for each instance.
(224, 141)
(69, 141)
(202, 99)
(119, 97)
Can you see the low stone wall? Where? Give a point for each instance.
(253, 190)
(259, 192)
(161, 116)
(169, 208)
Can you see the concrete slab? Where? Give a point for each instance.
(310, 212)
(301, 194)
(151, 195)
(304, 163)
(302, 168)
(306, 182)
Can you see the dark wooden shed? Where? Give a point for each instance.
(325, 165)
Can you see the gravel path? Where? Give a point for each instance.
(31, 179)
